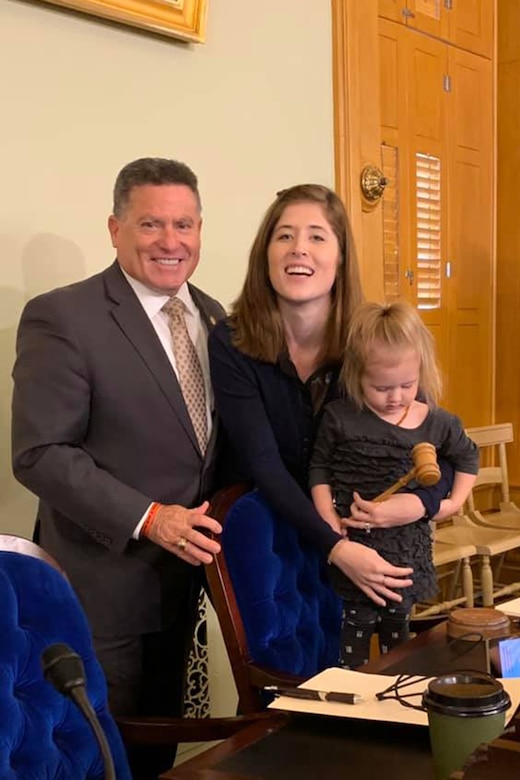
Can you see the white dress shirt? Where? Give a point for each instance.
(152, 303)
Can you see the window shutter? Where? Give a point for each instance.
(428, 205)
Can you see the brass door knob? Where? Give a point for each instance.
(372, 182)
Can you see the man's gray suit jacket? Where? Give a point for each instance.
(100, 430)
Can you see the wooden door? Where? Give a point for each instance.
(413, 137)
(436, 238)
(427, 192)
(470, 235)
(508, 228)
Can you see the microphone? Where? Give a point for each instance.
(63, 668)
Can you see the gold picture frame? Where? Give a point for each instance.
(184, 19)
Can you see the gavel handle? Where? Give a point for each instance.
(393, 488)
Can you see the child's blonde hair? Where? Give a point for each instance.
(398, 326)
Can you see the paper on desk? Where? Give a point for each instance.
(367, 686)
(510, 607)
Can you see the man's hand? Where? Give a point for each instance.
(372, 574)
(176, 529)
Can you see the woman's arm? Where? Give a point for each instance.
(431, 497)
(404, 507)
(461, 489)
(238, 388)
(244, 391)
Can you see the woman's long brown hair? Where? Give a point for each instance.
(255, 317)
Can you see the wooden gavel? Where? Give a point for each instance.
(425, 470)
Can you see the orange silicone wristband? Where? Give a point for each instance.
(150, 519)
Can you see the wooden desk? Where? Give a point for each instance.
(294, 747)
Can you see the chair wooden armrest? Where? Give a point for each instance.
(169, 731)
(260, 676)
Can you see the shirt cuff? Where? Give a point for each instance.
(137, 529)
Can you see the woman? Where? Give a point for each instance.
(275, 363)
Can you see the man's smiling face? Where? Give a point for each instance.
(157, 235)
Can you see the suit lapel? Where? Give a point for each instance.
(133, 321)
(208, 316)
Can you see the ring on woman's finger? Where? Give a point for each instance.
(368, 528)
(182, 542)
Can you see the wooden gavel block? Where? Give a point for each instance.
(425, 470)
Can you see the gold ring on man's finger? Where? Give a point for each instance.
(181, 544)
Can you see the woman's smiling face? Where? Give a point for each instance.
(303, 254)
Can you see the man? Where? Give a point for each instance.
(104, 433)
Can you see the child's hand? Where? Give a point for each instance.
(344, 522)
(399, 509)
(448, 508)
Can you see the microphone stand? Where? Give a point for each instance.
(64, 669)
(80, 698)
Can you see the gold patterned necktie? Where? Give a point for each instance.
(189, 370)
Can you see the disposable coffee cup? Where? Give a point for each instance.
(464, 709)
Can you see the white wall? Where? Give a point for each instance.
(250, 110)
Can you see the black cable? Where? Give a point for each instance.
(64, 669)
(404, 680)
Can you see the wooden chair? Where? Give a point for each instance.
(494, 534)
(454, 561)
(507, 517)
(134, 730)
(279, 617)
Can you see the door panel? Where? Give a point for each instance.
(471, 25)
(391, 9)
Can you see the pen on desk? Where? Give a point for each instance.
(308, 693)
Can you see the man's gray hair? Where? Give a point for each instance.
(151, 170)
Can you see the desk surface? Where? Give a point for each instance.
(305, 746)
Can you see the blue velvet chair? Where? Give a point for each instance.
(43, 736)
(279, 616)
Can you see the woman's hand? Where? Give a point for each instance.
(399, 509)
(371, 573)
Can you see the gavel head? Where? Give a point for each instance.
(427, 471)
